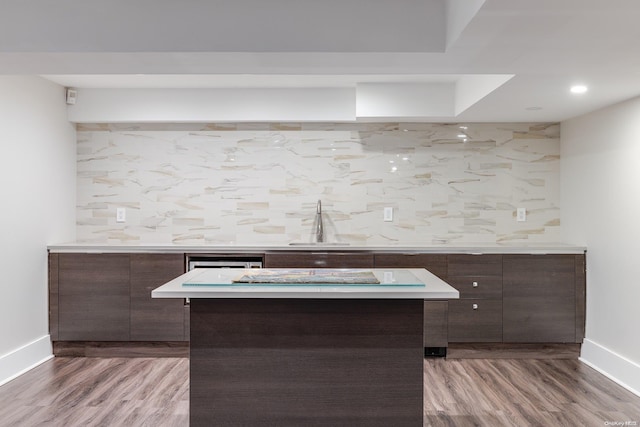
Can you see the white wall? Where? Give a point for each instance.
(205, 105)
(600, 181)
(37, 179)
(403, 100)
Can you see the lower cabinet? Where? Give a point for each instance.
(155, 319)
(543, 298)
(503, 298)
(93, 297)
(477, 315)
(107, 297)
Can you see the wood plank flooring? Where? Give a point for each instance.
(523, 392)
(86, 391)
(465, 392)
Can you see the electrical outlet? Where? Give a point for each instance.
(521, 214)
(388, 214)
(121, 214)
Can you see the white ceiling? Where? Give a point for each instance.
(547, 45)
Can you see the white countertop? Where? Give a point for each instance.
(510, 248)
(434, 287)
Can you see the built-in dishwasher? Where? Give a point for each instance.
(194, 261)
(222, 261)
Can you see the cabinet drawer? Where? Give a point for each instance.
(318, 260)
(485, 287)
(474, 265)
(435, 263)
(475, 320)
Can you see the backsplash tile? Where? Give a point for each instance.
(246, 183)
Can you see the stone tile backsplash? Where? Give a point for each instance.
(256, 183)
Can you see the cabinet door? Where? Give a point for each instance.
(435, 323)
(539, 298)
(435, 263)
(475, 320)
(155, 319)
(318, 260)
(93, 297)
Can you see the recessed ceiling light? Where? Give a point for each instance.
(462, 135)
(579, 89)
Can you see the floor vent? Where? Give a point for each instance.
(435, 351)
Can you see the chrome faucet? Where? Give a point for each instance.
(319, 228)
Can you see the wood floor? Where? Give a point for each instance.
(464, 392)
(523, 392)
(87, 391)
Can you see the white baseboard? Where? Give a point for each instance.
(22, 359)
(612, 365)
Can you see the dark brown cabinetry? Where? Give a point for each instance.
(155, 319)
(93, 297)
(475, 320)
(435, 263)
(107, 297)
(477, 315)
(435, 312)
(318, 260)
(503, 298)
(476, 276)
(540, 299)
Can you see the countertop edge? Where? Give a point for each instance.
(261, 249)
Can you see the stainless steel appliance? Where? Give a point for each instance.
(221, 261)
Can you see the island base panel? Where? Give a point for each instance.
(306, 362)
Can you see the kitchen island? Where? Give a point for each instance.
(306, 354)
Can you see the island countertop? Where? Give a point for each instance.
(391, 286)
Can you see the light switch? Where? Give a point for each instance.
(121, 214)
(388, 214)
(521, 214)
